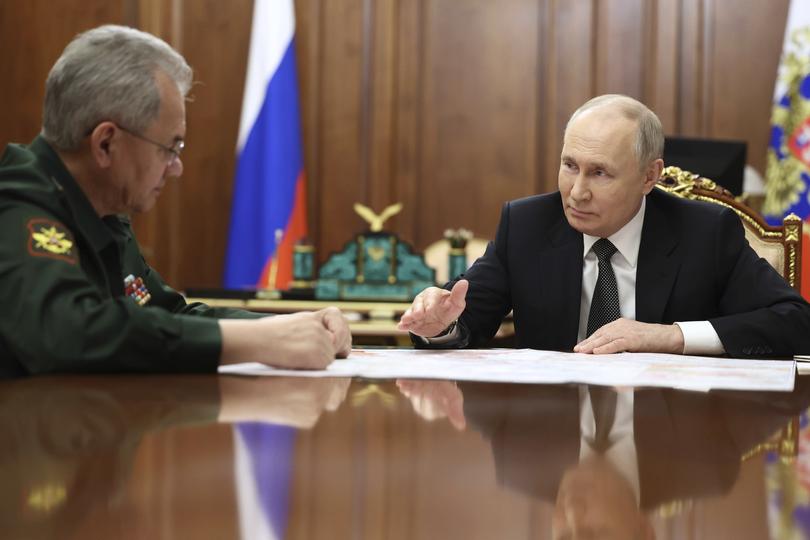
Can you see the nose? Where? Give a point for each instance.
(175, 168)
(580, 191)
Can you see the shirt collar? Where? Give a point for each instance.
(627, 239)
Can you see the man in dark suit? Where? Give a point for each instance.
(610, 264)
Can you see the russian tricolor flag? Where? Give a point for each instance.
(268, 214)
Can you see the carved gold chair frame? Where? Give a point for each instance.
(780, 246)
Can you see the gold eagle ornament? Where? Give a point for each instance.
(375, 221)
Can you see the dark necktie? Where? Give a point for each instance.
(605, 302)
(603, 402)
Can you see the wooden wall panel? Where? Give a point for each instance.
(32, 36)
(745, 55)
(692, 111)
(406, 155)
(213, 123)
(380, 33)
(478, 92)
(341, 179)
(621, 52)
(449, 106)
(662, 73)
(308, 47)
(568, 78)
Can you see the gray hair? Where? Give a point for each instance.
(650, 135)
(108, 73)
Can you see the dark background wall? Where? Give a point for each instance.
(449, 106)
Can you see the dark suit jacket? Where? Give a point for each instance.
(694, 264)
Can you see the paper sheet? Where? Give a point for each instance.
(533, 366)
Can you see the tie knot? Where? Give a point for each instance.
(604, 249)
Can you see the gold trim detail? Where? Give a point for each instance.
(792, 223)
(784, 443)
(791, 262)
(689, 185)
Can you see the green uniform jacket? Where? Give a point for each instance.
(62, 270)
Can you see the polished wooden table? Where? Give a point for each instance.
(172, 457)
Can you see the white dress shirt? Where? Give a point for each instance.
(699, 337)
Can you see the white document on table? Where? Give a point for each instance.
(549, 367)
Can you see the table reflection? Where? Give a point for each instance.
(666, 446)
(298, 458)
(70, 442)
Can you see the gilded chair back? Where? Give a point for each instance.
(780, 246)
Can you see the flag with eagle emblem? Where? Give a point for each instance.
(788, 170)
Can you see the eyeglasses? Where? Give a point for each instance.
(174, 151)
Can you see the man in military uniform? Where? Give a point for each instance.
(77, 293)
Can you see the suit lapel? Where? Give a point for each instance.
(659, 260)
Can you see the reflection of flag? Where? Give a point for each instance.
(788, 174)
(269, 190)
(264, 455)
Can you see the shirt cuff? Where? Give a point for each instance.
(700, 338)
(450, 336)
(454, 338)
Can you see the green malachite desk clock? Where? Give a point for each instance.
(375, 265)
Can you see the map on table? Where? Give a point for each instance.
(531, 366)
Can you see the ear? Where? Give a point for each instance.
(652, 174)
(102, 141)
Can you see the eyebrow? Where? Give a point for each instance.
(591, 165)
(600, 165)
